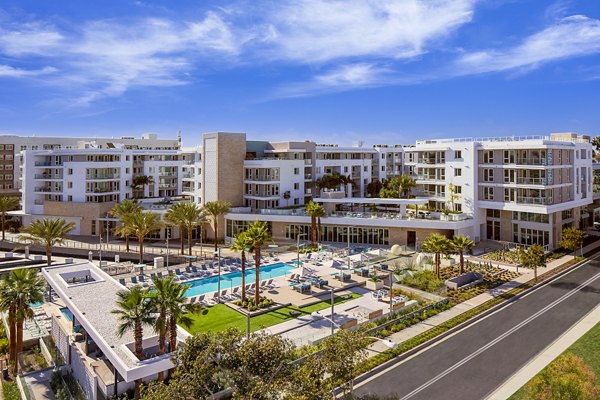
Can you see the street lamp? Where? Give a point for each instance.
(100, 251)
(218, 255)
(333, 324)
(168, 235)
(298, 246)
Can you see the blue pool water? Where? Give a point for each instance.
(34, 305)
(67, 313)
(233, 279)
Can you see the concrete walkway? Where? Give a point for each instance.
(555, 349)
(414, 330)
(39, 385)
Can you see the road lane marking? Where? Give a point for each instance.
(500, 338)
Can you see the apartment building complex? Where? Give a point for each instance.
(514, 189)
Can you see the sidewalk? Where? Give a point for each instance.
(414, 330)
(522, 376)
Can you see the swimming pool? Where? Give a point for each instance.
(233, 279)
(67, 313)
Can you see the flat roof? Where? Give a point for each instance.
(372, 200)
(92, 302)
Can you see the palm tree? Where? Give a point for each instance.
(174, 218)
(242, 243)
(215, 210)
(48, 233)
(406, 184)
(438, 244)
(313, 209)
(19, 288)
(122, 210)
(134, 312)
(140, 224)
(179, 311)
(188, 216)
(258, 234)
(7, 203)
(462, 244)
(140, 181)
(320, 213)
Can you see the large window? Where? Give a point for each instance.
(488, 193)
(358, 235)
(534, 236)
(235, 227)
(488, 157)
(531, 217)
(488, 175)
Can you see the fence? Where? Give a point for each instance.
(406, 317)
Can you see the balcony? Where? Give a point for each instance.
(262, 178)
(541, 201)
(102, 190)
(46, 189)
(46, 164)
(307, 177)
(167, 185)
(103, 177)
(533, 181)
(532, 161)
(47, 176)
(431, 193)
(431, 161)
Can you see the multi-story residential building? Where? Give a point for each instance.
(521, 190)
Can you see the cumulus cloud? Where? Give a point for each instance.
(7, 71)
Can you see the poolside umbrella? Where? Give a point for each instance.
(140, 267)
(190, 259)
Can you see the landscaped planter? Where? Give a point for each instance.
(374, 285)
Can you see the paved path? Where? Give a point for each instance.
(473, 362)
(39, 385)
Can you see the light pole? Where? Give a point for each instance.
(248, 324)
(218, 255)
(298, 246)
(348, 251)
(391, 290)
(100, 251)
(332, 312)
(168, 234)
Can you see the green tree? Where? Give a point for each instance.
(334, 181)
(47, 232)
(18, 289)
(316, 211)
(462, 244)
(187, 216)
(342, 353)
(242, 243)
(437, 244)
(532, 258)
(7, 203)
(453, 196)
(121, 210)
(179, 311)
(138, 182)
(374, 187)
(572, 239)
(161, 298)
(134, 311)
(214, 210)
(400, 185)
(596, 144)
(140, 224)
(258, 235)
(568, 377)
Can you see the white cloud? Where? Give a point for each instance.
(30, 38)
(7, 71)
(573, 36)
(321, 31)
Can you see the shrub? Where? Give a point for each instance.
(424, 280)
(11, 391)
(567, 377)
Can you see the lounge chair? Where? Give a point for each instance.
(195, 270)
(160, 274)
(178, 272)
(224, 294)
(269, 283)
(235, 291)
(142, 278)
(201, 299)
(188, 270)
(134, 280)
(122, 282)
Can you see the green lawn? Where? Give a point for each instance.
(587, 348)
(219, 317)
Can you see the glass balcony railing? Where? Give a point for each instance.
(532, 161)
(542, 201)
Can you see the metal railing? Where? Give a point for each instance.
(534, 181)
(535, 200)
(532, 161)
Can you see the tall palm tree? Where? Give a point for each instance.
(188, 216)
(174, 218)
(47, 232)
(215, 210)
(140, 224)
(7, 203)
(21, 288)
(320, 213)
(438, 244)
(179, 311)
(258, 234)
(462, 244)
(134, 311)
(121, 210)
(160, 297)
(313, 209)
(406, 183)
(242, 243)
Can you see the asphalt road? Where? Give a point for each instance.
(474, 362)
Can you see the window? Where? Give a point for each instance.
(93, 227)
(70, 171)
(366, 169)
(488, 157)
(23, 148)
(8, 177)
(457, 154)
(9, 147)
(457, 172)
(458, 189)
(488, 193)
(567, 214)
(70, 185)
(345, 169)
(509, 176)
(296, 186)
(69, 198)
(296, 171)
(492, 213)
(509, 157)
(488, 175)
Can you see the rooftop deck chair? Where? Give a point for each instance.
(235, 292)
(178, 271)
(134, 280)
(160, 274)
(201, 299)
(122, 281)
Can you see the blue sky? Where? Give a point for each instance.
(329, 71)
